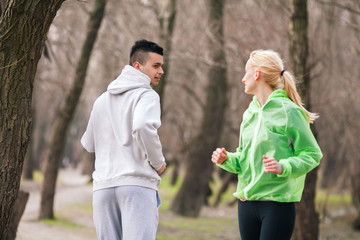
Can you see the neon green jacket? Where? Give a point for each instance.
(280, 130)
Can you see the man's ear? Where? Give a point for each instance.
(137, 65)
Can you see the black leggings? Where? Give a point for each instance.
(266, 220)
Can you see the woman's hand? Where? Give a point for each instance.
(271, 165)
(219, 156)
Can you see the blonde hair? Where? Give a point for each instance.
(270, 64)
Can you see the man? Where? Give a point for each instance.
(122, 131)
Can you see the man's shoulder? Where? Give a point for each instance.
(101, 97)
(150, 93)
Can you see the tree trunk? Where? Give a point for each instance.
(23, 28)
(307, 219)
(167, 22)
(64, 118)
(19, 208)
(354, 127)
(193, 192)
(355, 186)
(167, 19)
(28, 167)
(299, 47)
(2, 6)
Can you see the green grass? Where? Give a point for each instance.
(323, 196)
(61, 222)
(208, 225)
(83, 208)
(38, 176)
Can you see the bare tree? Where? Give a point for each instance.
(29, 165)
(166, 18)
(65, 116)
(19, 57)
(2, 6)
(307, 219)
(19, 209)
(195, 188)
(353, 132)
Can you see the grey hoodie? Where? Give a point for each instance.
(122, 131)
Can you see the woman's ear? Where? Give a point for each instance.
(257, 74)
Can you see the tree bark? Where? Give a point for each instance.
(2, 6)
(167, 18)
(19, 209)
(167, 23)
(307, 219)
(65, 115)
(194, 190)
(28, 167)
(23, 28)
(354, 127)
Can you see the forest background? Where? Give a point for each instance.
(333, 67)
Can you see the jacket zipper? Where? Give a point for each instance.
(252, 164)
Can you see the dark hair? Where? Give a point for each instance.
(141, 48)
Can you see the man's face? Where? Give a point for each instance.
(153, 68)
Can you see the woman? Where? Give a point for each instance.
(276, 150)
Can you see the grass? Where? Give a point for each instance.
(323, 196)
(83, 208)
(61, 222)
(167, 191)
(38, 176)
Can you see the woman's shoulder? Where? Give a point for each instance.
(294, 111)
(291, 108)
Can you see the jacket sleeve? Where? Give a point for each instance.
(87, 140)
(307, 153)
(146, 122)
(232, 163)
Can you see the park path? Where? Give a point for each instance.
(73, 195)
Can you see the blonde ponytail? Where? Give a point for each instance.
(290, 89)
(272, 67)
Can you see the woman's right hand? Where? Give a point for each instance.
(219, 156)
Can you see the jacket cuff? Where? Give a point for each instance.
(286, 168)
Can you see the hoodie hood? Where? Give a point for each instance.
(130, 78)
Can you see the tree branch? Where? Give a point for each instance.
(345, 7)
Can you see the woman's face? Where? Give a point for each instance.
(249, 78)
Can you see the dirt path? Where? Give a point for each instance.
(74, 223)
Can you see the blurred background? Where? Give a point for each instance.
(193, 50)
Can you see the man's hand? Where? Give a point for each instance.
(162, 169)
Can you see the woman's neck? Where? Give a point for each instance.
(263, 94)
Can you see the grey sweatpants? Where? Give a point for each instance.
(126, 213)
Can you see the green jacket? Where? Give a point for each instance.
(280, 130)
